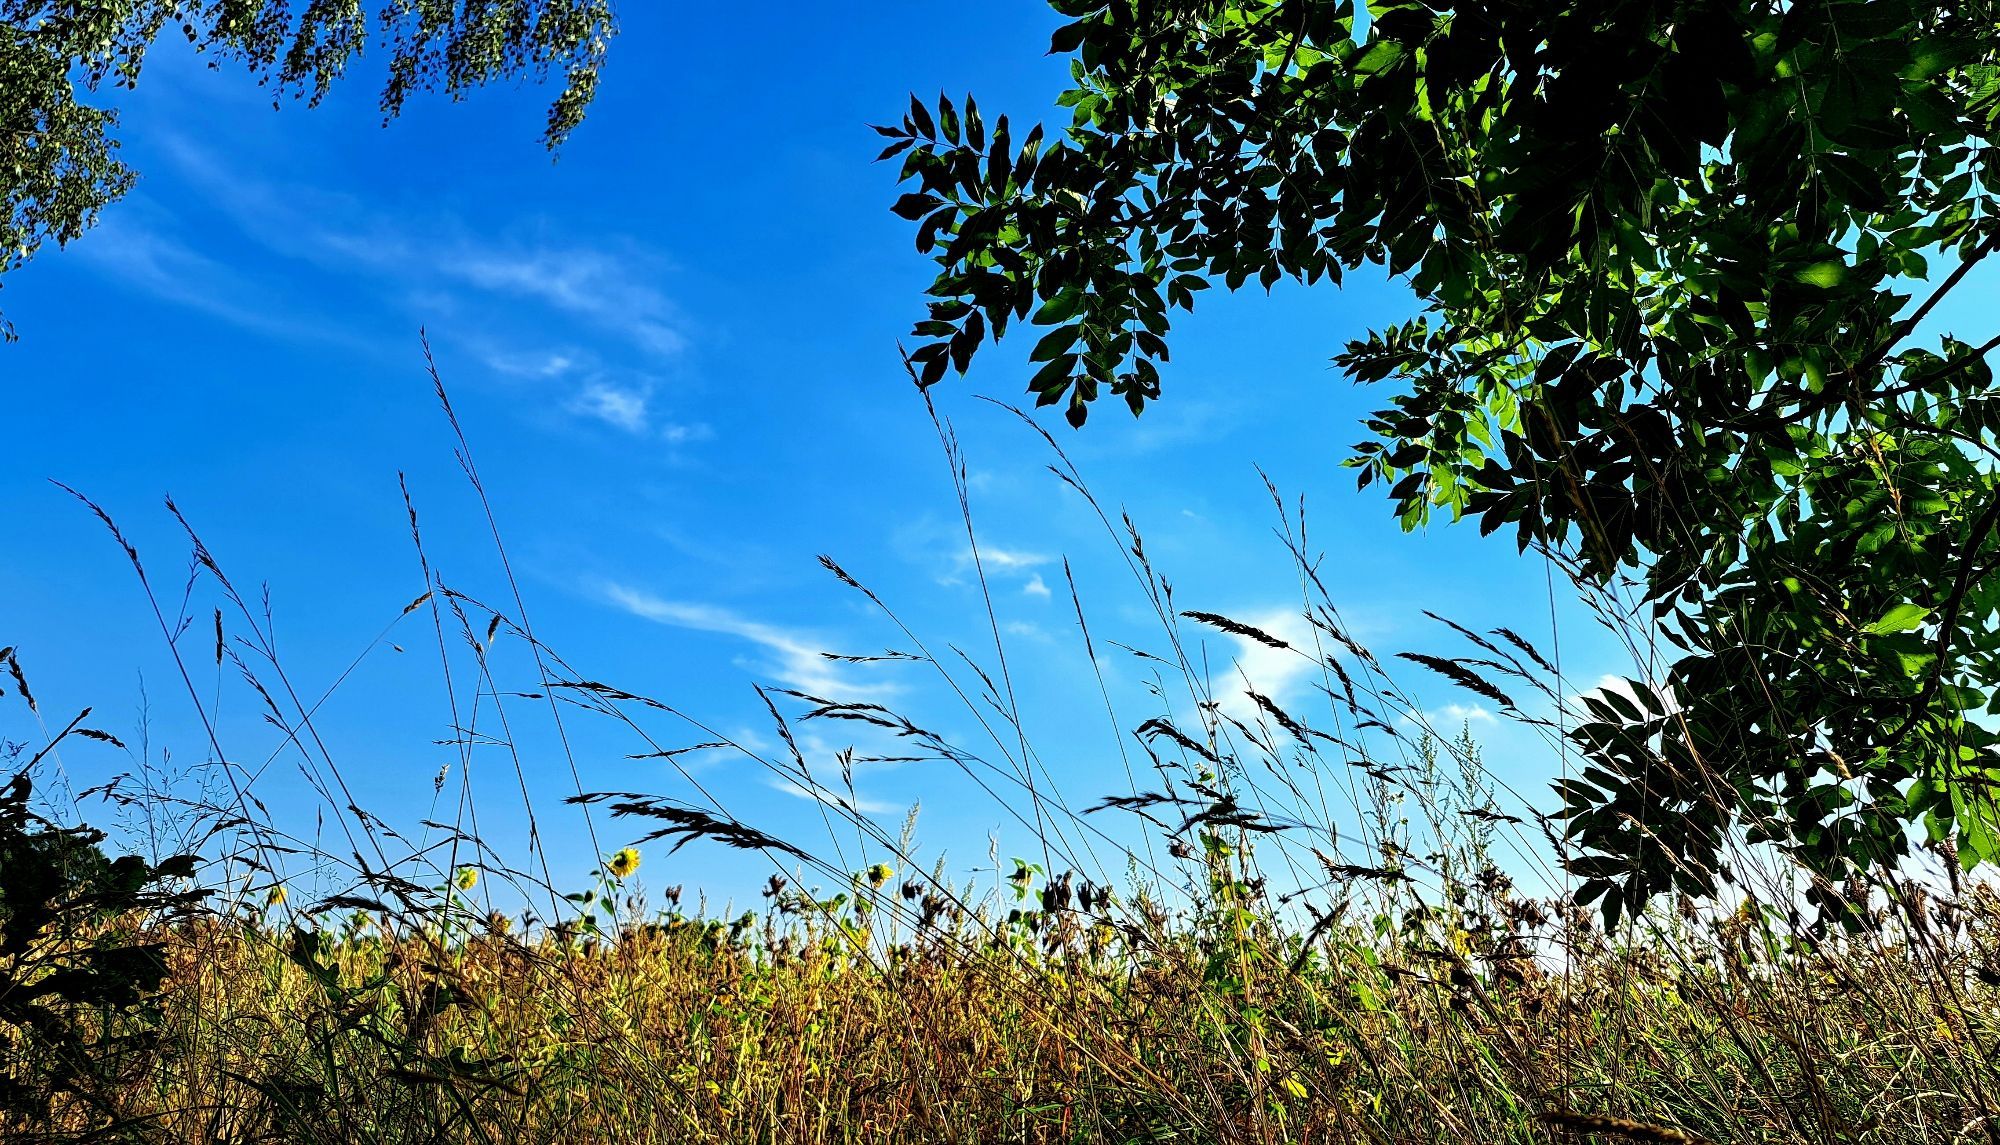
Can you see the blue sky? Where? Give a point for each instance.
(674, 354)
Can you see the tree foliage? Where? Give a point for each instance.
(1672, 257)
(59, 164)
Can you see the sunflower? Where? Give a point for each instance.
(623, 863)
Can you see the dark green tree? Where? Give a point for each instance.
(59, 162)
(1672, 257)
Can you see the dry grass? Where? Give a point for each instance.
(1072, 1025)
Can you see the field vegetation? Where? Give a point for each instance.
(1076, 1023)
(1326, 930)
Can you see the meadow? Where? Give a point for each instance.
(1067, 1025)
(1326, 930)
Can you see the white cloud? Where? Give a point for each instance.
(590, 283)
(794, 658)
(1279, 673)
(942, 549)
(619, 398)
(1006, 560)
(629, 406)
(750, 739)
(835, 784)
(623, 407)
(838, 799)
(539, 365)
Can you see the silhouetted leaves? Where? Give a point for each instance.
(68, 955)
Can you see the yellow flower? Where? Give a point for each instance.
(275, 896)
(880, 873)
(466, 879)
(623, 863)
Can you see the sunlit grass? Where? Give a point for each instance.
(1073, 1024)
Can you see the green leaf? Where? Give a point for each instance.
(1825, 275)
(1055, 343)
(1380, 55)
(1065, 305)
(1902, 618)
(1068, 37)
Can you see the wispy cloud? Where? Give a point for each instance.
(1006, 560)
(953, 561)
(679, 433)
(791, 658)
(146, 257)
(583, 281)
(535, 364)
(624, 399)
(629, 406)
(839, 799)
(836, 776)
(539, 287)
(623, 407)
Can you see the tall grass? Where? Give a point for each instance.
(1290, 926)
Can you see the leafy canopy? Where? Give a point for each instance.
(1672, 256)
(59, 162)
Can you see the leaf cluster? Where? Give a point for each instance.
(75, 981)
(1672, 256)
(59, 162)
